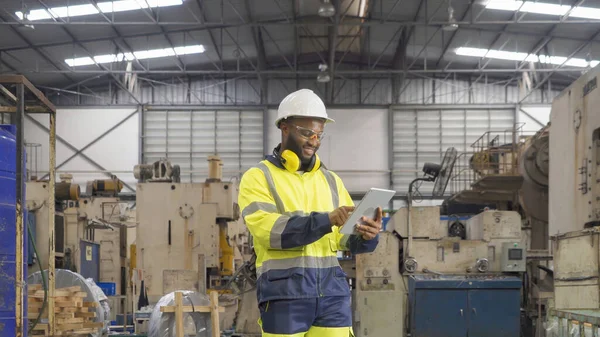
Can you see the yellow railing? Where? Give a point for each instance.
(494, 153)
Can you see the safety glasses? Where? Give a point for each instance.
(308, 133)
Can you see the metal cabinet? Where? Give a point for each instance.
(457, 306)
(90, 260)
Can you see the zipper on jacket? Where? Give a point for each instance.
(304, 181)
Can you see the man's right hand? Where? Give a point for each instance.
(339, 216)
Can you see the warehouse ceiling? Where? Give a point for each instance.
(64, 44)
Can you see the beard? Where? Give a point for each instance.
(296, 146)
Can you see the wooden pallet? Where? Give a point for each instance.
(72, 314)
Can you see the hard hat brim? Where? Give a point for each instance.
(327, 119)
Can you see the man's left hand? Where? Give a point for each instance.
(369, 228)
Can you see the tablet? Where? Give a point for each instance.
(374, 198)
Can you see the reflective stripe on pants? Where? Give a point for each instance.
(313, 317)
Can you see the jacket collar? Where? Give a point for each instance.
(275, 161)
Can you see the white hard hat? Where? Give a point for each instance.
(302, 103)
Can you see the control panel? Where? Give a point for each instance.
(513, 257)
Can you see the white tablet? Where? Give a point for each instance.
(374, 198)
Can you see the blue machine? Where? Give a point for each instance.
(461, 306)
(90, 260)
(8, 249)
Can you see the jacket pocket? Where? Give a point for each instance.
(276, 275)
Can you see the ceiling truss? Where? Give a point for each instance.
(285, 65)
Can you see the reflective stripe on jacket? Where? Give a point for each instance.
(295, 243)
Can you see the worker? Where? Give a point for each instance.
(294, 208)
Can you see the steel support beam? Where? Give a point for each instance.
(333, 32)
(559, 67)
(97, 139)
(358, 22)
(309, 73)
(462, 18)
(37, 49)
(277, 22)
(210, 33)
(399, 63)
(74, 149)
(260, 52)
(544, 41)
(20, 206)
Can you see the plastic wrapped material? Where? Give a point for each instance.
(103, 302)
(574, 331)
(97, 290)
(66, 278)
(194, 323)
(551, 327)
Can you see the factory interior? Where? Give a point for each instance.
(126, 127)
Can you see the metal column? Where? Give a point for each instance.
(19, 203)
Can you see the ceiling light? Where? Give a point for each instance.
(326, 10)
(362, 11)
(89, 9)
(451, 25)
(26, 23)
(516, 56)
(139, 55)
(544, 8)
(323, 78)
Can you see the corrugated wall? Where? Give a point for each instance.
(5, 118)
(423, 135)
(188, 137)
(246, 91)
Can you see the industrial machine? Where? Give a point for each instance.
(102, 218)
(66, 193)
(508, 170)
(435, 275)
(184, 237)
(574, 216)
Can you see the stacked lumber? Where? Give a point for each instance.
(72, 315)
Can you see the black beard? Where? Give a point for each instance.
(294, 146)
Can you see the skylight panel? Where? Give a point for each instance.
(516, 56)
(544, 8)
(89, 9)
(140, 55)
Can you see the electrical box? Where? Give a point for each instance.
(513, 257)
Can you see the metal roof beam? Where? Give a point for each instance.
(333, 32)
(399, 62)
(463, 17)
(37, 50)
(311, 21)
(68, 32)
(110, 72)
(210, 33)
(365, 32)
(543, 42)
(276, 72)
(130, 50)
(154, 19)
(260, 52)
(559, 67)
(366, 24)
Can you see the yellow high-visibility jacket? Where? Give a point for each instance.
(295, 244)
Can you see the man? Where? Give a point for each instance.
(293, 207)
